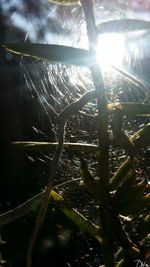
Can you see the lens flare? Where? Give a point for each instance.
(111, 50)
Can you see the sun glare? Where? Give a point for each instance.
(110, 50)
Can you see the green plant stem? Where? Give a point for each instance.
(100, 93)
(103, 156)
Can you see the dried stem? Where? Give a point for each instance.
(51, 146)
(74, 107)
(62, 119)
(44, 203)
(20, 211)
(132, 79)
(28, 206)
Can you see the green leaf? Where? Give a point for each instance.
(121, 174)
(77, 218)
(53, 53)
(93, 186)
(142, 137)
(122, 26)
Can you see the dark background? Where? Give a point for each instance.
(22, 175)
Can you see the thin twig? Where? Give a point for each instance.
(28, 206)
(62, 119)
(21, 210)
(51, 146)
(44, 203)
(132, 79)
(74, 107)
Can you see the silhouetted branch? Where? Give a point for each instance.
(62, 120)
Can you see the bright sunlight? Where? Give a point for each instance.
(111, 50)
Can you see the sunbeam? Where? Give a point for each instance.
(110, 50)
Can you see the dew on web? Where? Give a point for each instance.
(53, 87)
(49, 88)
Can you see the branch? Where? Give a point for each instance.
(51, 146)
(44, 204)
(62, 120)
(71, 213)
(74, 107)
(132, 79)
(103, 155)
(100, 93)
(20, 211)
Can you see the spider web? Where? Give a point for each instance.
(46, 90)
